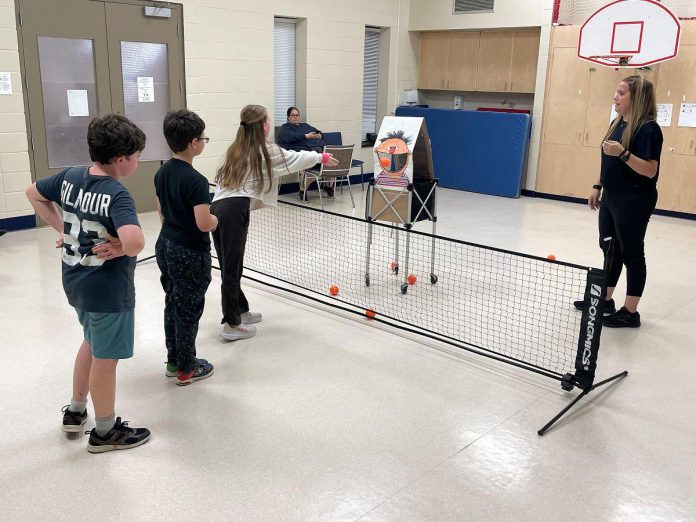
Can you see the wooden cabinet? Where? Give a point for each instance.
(566, 99)
(676, 186)
(432, 67)
(676, 86)
(494, 61)
(600, 99)
(523, 70)
(569, 170)
(462, 60)
(490, 61)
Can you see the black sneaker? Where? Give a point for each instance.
(118, 438)
(303, 196)
(622, 319)
(329, 191)
(609, 306)
(72, 420)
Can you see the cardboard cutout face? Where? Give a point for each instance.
(393, 155)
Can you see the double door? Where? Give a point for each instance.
(84, 58)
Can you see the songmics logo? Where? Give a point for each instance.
(596, 294)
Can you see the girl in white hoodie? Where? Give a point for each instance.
(248, 180)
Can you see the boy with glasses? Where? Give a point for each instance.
(183, 246)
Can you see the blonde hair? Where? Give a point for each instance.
(643, 108)
(247, 154)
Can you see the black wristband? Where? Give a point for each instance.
(625, 155)
(597, 187)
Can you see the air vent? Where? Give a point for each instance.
(473, 6)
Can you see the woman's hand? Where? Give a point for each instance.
(109, 249)
(612, 148)
(593, 200)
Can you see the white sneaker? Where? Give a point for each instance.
(241, 331)
(251, 317)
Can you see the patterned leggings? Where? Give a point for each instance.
(185, 279)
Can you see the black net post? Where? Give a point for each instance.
(590, 328)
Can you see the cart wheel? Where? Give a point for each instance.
(404, 288)
(433, 279)
(367, 279)
(566, 386)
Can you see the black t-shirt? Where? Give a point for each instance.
(179, 188)
(93, 207)
(646, 144)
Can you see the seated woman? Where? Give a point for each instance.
(295, 135)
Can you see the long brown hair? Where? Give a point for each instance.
(643, 108)
(247, 154)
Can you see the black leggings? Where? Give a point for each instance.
(625, 217)
(230, 241)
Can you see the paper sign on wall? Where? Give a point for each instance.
(77, 103)
(146, 89)
(664, 114)
(687, 115)
(5, 83)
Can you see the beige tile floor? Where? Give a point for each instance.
(331, 417)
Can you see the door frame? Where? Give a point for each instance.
(23, 58)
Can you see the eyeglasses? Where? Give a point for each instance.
(204, 138)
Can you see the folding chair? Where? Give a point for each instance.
(335, 138)
(338, 174)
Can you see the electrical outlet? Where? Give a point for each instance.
(457, 102)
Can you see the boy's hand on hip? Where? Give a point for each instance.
(109, 249)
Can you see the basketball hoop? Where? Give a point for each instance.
(616, 61)
(630, 33)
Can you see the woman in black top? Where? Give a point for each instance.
(627, 186)
(296, 135)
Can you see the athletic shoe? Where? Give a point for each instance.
(202, 370)
(329, 191)
(303, 196)
(72, 420)
(609, 306)
(622, 319)
(251, 317)
(118, 438)
(241, 331)
(171, 370)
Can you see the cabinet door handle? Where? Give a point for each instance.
(448, 84)
(442, 84)
(579, 136)
(587, 135)
(510, 86)
(506, 86)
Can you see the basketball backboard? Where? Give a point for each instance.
(630, 33)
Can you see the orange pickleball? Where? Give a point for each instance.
(370, 313)
(411, 279)
(551, 257)
(333, 290)
(385, 162)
